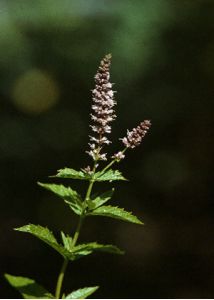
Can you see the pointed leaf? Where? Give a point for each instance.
(71, 173)
(86, 249)
(28, 287)
(82, 293)
(100, 200)
(109, 175)
(116, 213)
(71, 197)
(46, 236)
(67, 241)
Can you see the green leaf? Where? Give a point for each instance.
(67, 241)
(71, 173)
(100, 200)
(109, 175)
(46, 236)
(28, 287)
(82, 293)
(86, 249)
(71, 197)
(116, 213)
(68, 251)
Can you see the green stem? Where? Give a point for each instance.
(65, 262)
(77, 232)
(109, 165)
(60, 278)
(75, 238)
(89, 190)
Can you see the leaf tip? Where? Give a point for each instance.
(25, 228)
(18, 228)
(6, 276)
(139, 222)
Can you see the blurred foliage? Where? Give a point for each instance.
(163, 67)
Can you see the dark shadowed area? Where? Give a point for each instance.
(163, 69)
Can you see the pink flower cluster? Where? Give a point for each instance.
(136, 135)
(103, 112)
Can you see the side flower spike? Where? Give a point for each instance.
(136, 135)
(102, 110)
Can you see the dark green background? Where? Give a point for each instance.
(163, 67)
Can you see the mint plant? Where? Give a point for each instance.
(91, 204)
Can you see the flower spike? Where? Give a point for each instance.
(102, 110)
(136, 135)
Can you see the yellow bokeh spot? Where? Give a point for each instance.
(35, 92)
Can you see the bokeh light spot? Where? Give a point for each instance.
(35, 92)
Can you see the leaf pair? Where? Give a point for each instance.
(110, 175)
(95, 205)
(32, 290)
(68, 251)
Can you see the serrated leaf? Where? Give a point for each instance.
(86, 249)
(116, 213)
(71, 173)
(71, 197)
(28, 287)
(82, 293)
(110, 175)
(100, 200)
(46, 236)
(67, 241)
